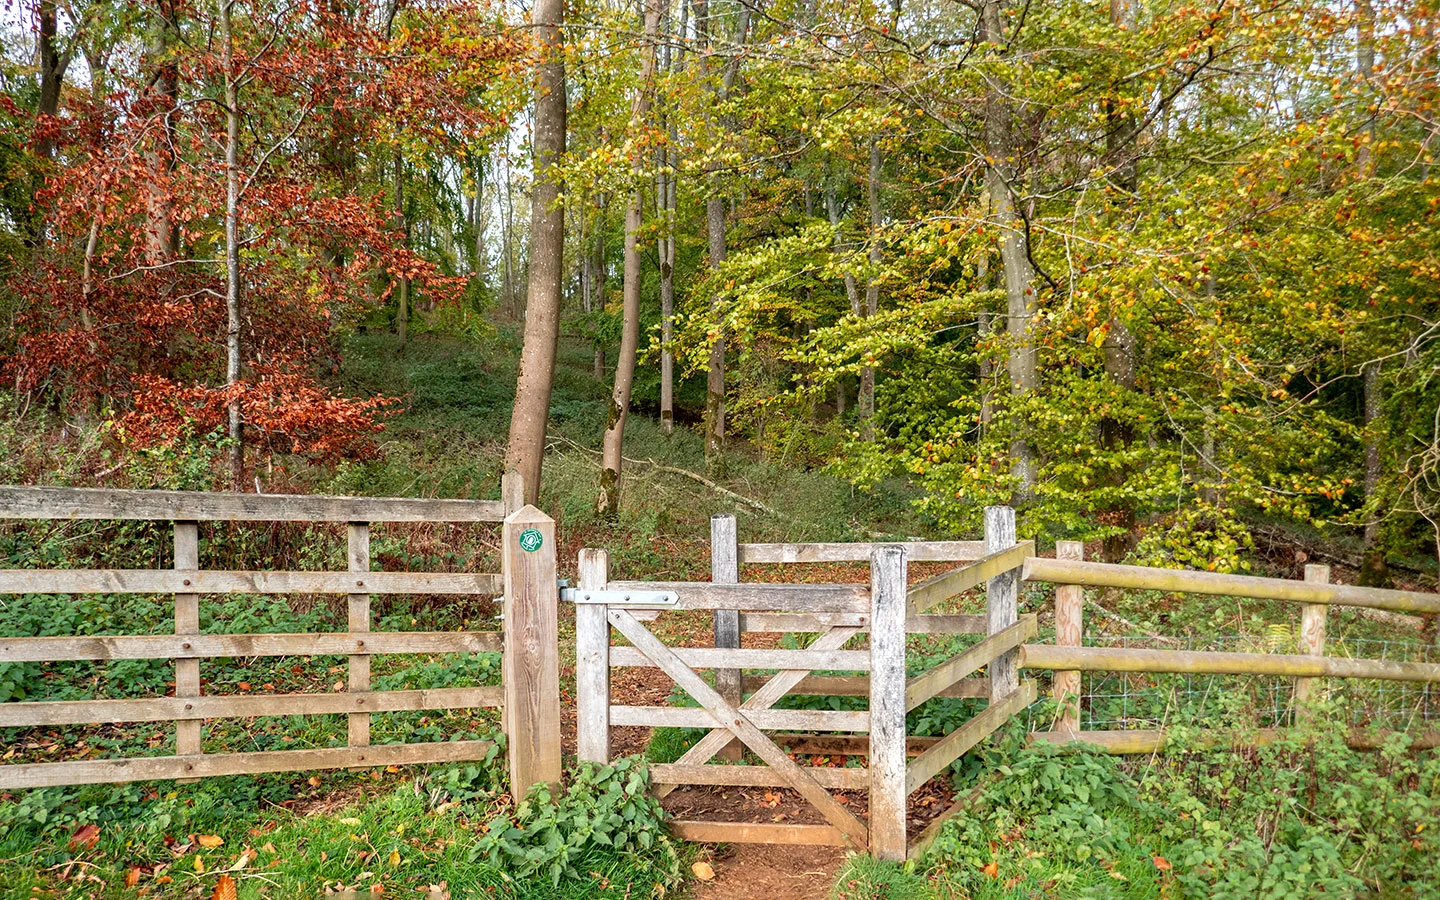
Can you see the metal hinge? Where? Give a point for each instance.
(620, 598)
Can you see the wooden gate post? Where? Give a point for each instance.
(725, 569)
(531, 665)
(1069, 632)
(592, 662)
(1312, 638)
(888, 793)
(187, 621)
(1002, 594)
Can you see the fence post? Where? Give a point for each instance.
(358, 540)
(725, 569)
(1069, 632)
(531, 665)
(887, 702)
(512, 491)
(592, 662)
(1312, 638)
(187, 621)
(1002, 601)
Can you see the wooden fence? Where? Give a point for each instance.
(529, 694)
(741, 706)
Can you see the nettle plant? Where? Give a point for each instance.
(605, 810)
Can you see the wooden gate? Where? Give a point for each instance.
(838, 613)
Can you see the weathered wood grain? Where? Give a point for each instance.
(957, 581)
(187, 621)
(358, 616)
(1002, 596)
(1204, 662)
(801, 598)
(211, 646)
(17, 502)
(764, 719)
(751, 658)
(531, 664)
(859, 686)
(241, 706)
(785, 623)
(930, 684)
(843, 744)
(834, 778)
(592, 663)
(755, 833)
(1184, 581)
(887, 702)
(1069, 632)
(920, 551)
(159, 581)
(1312, 639)
(725, 569)
(117, 771)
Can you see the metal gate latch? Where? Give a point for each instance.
(620, 598)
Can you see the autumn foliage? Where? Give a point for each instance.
(121, 293)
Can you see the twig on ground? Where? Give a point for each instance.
(675, 470)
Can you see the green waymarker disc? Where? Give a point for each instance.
(531, 540)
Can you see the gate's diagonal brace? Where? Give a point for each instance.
(740, 726)
(767, 696)
(924, 687)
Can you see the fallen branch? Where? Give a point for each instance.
(674, 470)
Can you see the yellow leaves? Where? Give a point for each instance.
(703, 871)
(394, 858)
(199, 865)
(210, 841)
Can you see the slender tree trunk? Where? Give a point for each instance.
(1374, 571)
(402, 286)
(163, 91)
(1021, 303)
(536, 378)
(232, 249)
(852, 289)
(866, 400)
(667, 292)
(715, 228)
(1365, 68)
(477, 219)
(52, 77)
(602, 276)
(612, 458)
(1119, 347)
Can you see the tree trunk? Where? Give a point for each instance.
(1365, 68)
(232, 250)
(667, 293)
(866, 399)
(715, 227)
(1119, 345)
(1020, 296)
(852, 290)
(1374, 571)
(611, 458)
(536, 376)
(402, 286)
(163, 91)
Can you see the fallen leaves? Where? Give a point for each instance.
(85, 837)
(703, 871)
(210, 841)
(1161, 863)
(225, 889)
(991, 869)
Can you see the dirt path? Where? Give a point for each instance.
(765, 872)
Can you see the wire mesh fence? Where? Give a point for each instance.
(1119, 701)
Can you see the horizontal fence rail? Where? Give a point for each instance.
(203, 506)
(958, 581)
(798, 598)
(214, 581)
(1205, 662)
(1059, 571)
(213, 646)
(919, 551)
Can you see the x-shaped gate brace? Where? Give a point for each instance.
(734, 722)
